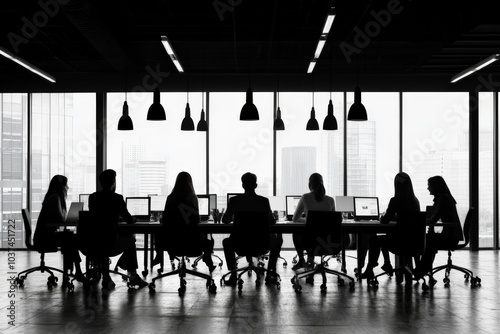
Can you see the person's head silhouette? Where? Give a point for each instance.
(249, 182)
(107, 179)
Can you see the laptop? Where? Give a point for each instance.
(344, 203)
(84, 198)
(139, 208)
(204, 207)
(291, 202)
(366, 208)
(73, 213)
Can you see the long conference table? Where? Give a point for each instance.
(348, 226)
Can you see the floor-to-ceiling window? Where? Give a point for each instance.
(373, 148)
(13, 148)
(63, 142)
(436, 142)
(485, 170)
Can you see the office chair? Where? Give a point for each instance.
(183, 240)
(474, 281)
(93, 242)
(250, 237)
(408, 242)
(323, 236)
(52, 279)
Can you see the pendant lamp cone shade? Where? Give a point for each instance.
(330, 122)
(125, 122)
(187, 123)
(249, 111)
(312, 124)
(357, 112)
(202, 124)
(278, 122)
(156, 111)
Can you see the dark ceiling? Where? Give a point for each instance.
(109, 45)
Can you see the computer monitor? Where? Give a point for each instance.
(84, 198)
(291, 205)
(277, 203)
(213, 201)
(139, 207)
(366, 208)
(158, 203)
(344, 203)
(204, 207)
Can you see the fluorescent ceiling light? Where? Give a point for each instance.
(329, 21)
(171, 53)
(491, 59)
(319, 48)
(311, 66)
(25, 64)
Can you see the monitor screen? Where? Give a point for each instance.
(277, 203)
(138, 206)
(204, 206)
(344, 203)
(366, 208)
(84, 198)
(213, 201)
(158, 202)
(291, 205)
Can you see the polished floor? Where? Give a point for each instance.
(390, 308)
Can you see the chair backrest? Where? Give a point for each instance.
(180, 232)
(27, 229)
(323, 232)
(92, 237)
(408, 237)
(251, 233)
(467, 228)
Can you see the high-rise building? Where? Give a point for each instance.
(361, 159)
(298, 163)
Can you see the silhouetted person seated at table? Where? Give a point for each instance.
(52, 216)
(108, 206)
(182, 201)
(403, 202)
(444, 210)
(315, 200)
(250, 202)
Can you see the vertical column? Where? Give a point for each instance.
(495, 171)
(400, 131)
(101, 135)
(473, 167)
(207, 137)
(345, 143)
(29, 155)
(275, 105)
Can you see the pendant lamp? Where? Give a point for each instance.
(249, 111)
(187, 123)
(125, 122)
(156, 111)
(330, 122)
(278, 122)
(357, 111)
(312, 124)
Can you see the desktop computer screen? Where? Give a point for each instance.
(139, 207)
(158, 202)
(84, 198)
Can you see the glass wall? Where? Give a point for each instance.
(436, 142)
(148, 159)
(373, 148)
(485, 169)
(63, 142)
(237, 147)
(13, 147)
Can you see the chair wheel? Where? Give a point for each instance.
(466, 276)
(159, 270)
(351, 286)
(145, 273)
(425, 287)
(446, 280)
(152, 287)
(240, 284)
(212, 289)
(310, 279)
(284, 265)
(323, 287)
(220, 264)
(374, 283)
(71, 288)
(341, 281)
